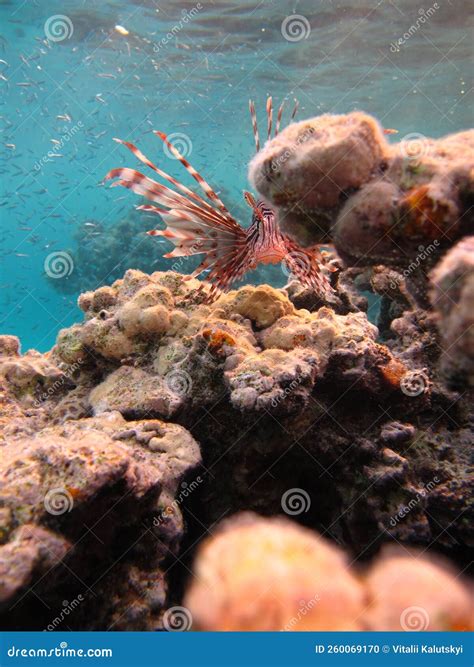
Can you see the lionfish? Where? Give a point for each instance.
(196, 226)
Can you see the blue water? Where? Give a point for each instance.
(63, 102)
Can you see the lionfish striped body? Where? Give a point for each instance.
(196, 226)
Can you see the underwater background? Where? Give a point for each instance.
(76, 74)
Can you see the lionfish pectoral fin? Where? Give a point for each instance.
(195, 226)
(306, 264)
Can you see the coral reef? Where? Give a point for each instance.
(336, 177)
(411, 592)
(271, 574)
(265, 393)
(452, 296)
(161, 414)
(78, 503)
(308, 170)
(100, 255)
(257, 574)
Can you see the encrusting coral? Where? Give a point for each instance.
(452, 297)
(271, 391)
(336, 177)
(266, 574)
(247, 342)
(278, 397)
(76, 500)
(412, 592)
(307, 168)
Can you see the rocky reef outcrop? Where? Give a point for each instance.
(336, 177)
(83, 543)
(160, 414)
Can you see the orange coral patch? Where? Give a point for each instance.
(422, 214)
(299, 339)
(393, 372)
(216, 339)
